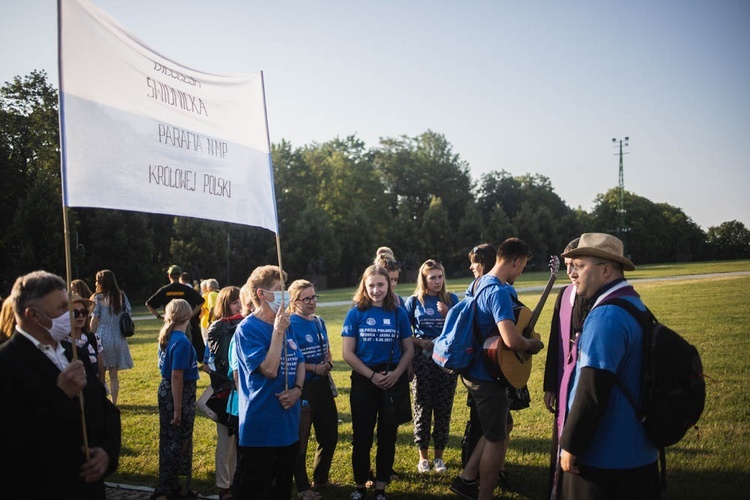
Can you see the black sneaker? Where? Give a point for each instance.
(379, 495)
(464, 488)
(502, 481)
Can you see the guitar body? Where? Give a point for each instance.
(503, 361)
(500, 360)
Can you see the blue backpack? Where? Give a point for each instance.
(460, 341)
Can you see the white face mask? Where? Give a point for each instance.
(277, 296)
(60, 326)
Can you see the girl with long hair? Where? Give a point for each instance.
(109, 304)
(227, 311)
(377, 345)
(433, 388)
(178, 364)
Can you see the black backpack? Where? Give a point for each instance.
(673, 390)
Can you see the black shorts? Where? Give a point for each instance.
(491, 404)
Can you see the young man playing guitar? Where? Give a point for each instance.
(494, 313)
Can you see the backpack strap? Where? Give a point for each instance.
(478, 339)
(644, 318)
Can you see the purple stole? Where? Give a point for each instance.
(568, 357)
(568, 354)
(569, 349)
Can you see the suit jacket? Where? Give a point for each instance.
(40, 426)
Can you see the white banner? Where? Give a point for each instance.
(141, 132)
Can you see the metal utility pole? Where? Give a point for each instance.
(621, 228)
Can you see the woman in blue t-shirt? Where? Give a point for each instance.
(318, 403)
(377, 345)
(270, 377)
(434, 389)
(178, 364)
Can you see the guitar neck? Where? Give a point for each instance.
(540, 305)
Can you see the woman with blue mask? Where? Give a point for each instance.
(269, 385)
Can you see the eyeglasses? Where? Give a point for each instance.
(572, 268)
(80, 313)
(308, 300)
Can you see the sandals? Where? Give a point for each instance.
(309, 495)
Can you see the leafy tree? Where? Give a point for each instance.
(419, 172)
(347, 188)
(30, 168)
(35, 234)
(729, 240)
(499, 227)
(499, 188)
(471, 232)
(121, 241)
(336, 202)
(685, 238)
(654, 232)
(199, 246)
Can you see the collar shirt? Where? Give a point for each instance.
(55, 354)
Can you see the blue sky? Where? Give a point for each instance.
(536, 87)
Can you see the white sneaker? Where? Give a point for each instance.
(439, 466)
(423, 466)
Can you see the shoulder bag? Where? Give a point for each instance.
(127, 327)
(396, 407)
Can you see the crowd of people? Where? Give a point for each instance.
(269, 359)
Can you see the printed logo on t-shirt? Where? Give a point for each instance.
(429, 311)
(387, 321)
(309, 338)
(370, 321)
(292, 344)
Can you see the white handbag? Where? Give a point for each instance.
(200, 404)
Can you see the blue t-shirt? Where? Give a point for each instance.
(179, 355)
(263, 421)
(376, 331)
(492, 306)
(313, 340)
(612, 340)
(426, 319)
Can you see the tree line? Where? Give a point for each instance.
(337, 202)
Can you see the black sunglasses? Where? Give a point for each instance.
(78, 313)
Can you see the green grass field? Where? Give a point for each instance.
(712, 313)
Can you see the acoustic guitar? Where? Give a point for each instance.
(500, 360)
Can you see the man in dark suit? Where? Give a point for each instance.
(41, 386)
(177, 290)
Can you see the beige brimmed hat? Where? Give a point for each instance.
(602, 245)
(88, 304)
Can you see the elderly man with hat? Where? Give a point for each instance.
(604, 449)
(177, 290)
